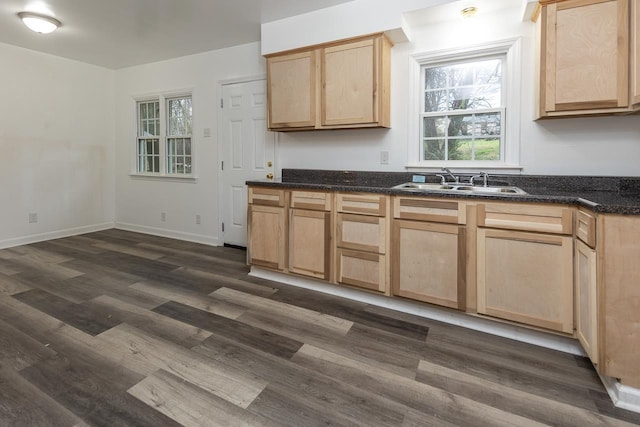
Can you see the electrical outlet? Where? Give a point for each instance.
(163, 216)
(33, 217)
(198, 219)
(384, 157)
(207, 132)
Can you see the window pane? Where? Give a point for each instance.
(156, 164)
(435, 78)
(487, 149)
(460, 149)
(180, 145)
(187, 146)
(434, 149)
(434, 126)
(143, 111)
(488, 124)
(460, 125)
(179, 112)
(437, 100)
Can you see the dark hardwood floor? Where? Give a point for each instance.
(123, 329)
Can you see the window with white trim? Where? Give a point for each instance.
(463, 110)
(468, 107)
(164, 136)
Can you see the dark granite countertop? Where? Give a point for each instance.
(614, 195)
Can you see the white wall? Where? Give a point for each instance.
(139, 202)
(56, 145)
(592, 146)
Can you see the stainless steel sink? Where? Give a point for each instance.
(417, 187)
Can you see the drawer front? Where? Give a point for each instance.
(311, 200)
(365, 204)
(360, 232)
(436, 210)
(586, 228)
(266, 196)
(361, 269)
(527, 217)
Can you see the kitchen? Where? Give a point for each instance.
(594, 146)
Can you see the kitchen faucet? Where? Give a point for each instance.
(483, 175)
(455, 178)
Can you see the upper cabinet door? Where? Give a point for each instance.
(292, 90)
(349, 74)
(585, 55)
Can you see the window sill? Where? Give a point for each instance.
(421, 167)
(170, 178)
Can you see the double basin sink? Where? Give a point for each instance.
(459, 188)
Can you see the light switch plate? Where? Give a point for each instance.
(384, 157)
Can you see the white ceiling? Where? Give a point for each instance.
(121, 33)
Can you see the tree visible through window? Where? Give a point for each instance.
(463, 113)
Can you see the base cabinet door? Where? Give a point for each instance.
(429, 262)
(586, 299)
(266, 229)
(362, 269)
(526, 277)
(309, 243)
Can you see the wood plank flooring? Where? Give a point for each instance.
(122, 329)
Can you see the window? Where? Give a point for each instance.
(179, 135)
(467, 107)
(463, 111)
(149, 136)
(165, 126)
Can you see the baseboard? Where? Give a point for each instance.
(34, 238)
(514, 332)
(623, 396)
(172, 234)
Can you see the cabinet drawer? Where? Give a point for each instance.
(436, 210)
(527, 217)
(365, 204)
(362, 269)
(360, 232)
(586, 228)
(312, 200)
(266, 196)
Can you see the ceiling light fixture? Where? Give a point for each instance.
(39, 23)
(469, 12)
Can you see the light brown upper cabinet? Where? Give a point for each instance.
(337, 85)
(588, 48)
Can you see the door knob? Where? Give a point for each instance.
(269, 176)
(269, 164)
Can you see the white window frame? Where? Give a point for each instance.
(163, 99)
(510, 143)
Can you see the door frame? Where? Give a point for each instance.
(220, 138)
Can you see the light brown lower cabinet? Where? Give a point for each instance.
(266, 236)
(362, 269)
(585, 275)
(526, 277)
(309, 243)
(429, 262)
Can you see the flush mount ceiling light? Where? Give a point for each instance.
(39, 23)
(469, 12)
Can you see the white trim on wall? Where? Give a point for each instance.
(35, 238)
(172, 234)
(513, 67)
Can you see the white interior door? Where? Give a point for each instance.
(248, 152)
